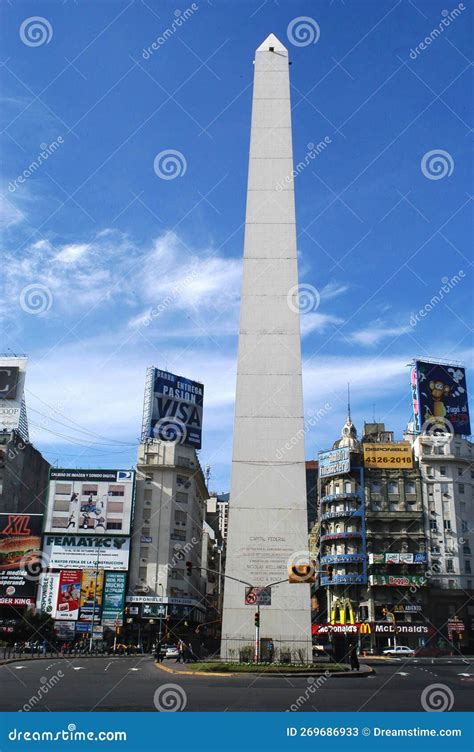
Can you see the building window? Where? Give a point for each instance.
(375, 487)
(114, 524)
(180, 517)
(182, 497)
(183, 461)
(116, 490)
(179, 535)
(442, 470)
(147, 494)
(445, 489)
(410, 487)
(429, 471)
(63, 488)
(469, 584)
(447, 524)
(449, 566)
(433, 525)
(348, 486)
(464, 526)
(466, 549)
(177, 574)
(393, 487)
(459, 470)
(183, 480)
(142, 573)
(438, 449)
(467, 567)
(461, 488)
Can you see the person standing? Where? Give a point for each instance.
(355, 665)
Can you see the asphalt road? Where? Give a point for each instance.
(135, 684)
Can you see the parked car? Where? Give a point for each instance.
(171, 651)
(399, 650)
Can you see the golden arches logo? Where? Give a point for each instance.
(365, 629)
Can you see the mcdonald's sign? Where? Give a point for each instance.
(365, 628)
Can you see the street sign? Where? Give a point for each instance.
(258, 596)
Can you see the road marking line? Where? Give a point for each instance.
(78, 668)
(109, 664)
(19, 667)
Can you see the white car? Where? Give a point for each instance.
(171, 652)
(400, 650)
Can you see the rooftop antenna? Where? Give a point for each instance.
(348, 400)
(373, 418)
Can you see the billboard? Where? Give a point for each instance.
(86, 552)
(69, 594)
(20, 558)
(440, 398)
(47, 598)
(90, 501)
(334, 462)
(397, 580)
(12, 389)
(176, 407)
(92, 587)
(114, 598)
(391, 455)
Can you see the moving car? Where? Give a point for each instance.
(171, 651)
(399, 650)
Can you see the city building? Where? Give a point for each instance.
(168, 532)
(312, 491)
(23, 475)
(447, 471)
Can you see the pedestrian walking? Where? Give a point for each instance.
(355, 665)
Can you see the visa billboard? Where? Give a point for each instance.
(175, 413)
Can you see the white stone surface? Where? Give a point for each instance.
(267, 509)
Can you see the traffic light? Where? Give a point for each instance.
(257, 619)
(189, 568)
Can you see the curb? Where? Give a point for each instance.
(5, 661)
(338, 674)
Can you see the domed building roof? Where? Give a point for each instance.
(348, 436)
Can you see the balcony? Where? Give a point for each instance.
(343, 558)
(345, 579)
(341, 495)
(341, 536)
(347, 512)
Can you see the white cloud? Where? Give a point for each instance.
(69, 254)
(317, 322)
(376, 332)
(333, 290)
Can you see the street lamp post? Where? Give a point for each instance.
(99, 542)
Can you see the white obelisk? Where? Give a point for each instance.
(267, 508)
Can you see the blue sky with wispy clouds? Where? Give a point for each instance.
(109, 241)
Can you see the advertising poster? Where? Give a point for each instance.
(20, 558)
(87, 552)
(69, 593)
(92, 502)
(114, 599)
(12, 388)
(389, 455)
(64, 630)
(442, 400)
(91, 595)
(48, 589)
(334, 462)
(176, 409)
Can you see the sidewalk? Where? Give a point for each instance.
(171, 667)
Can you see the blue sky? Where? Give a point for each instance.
(105, 240)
